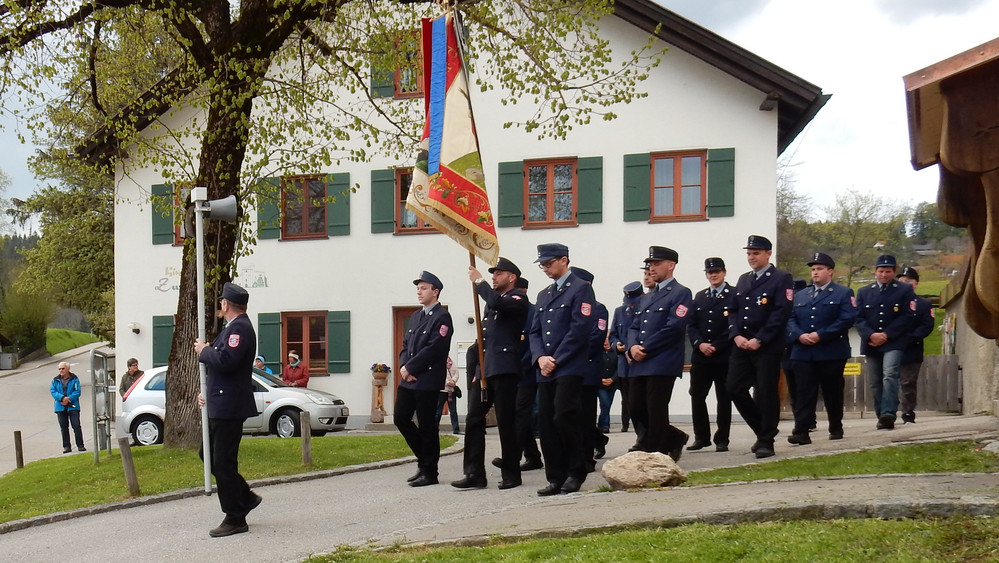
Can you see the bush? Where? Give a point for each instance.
(24, 318)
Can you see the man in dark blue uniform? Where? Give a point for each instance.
(229, 364)
(912, 358)
(423, 369)
(886, 311)
(820, 346)
(708, 334)
(763, 298)
(560, 339)
(655, 346)
(620, 323)
(502, 330)
(594, 442)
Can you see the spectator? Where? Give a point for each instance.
(449, 394)
(295, 373)
(261, 363)
(66, 392)
(130, 377)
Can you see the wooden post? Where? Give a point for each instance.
(18, 450)
(305, 423)
(129, 466)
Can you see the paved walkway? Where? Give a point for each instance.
(371, 505)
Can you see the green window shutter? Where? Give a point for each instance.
(721, 182)
(338, 341)
(269, 339)
(338, 212)
(511, 194)
(637, 187)
(162, 339)
(382, 201)
(269, 209)
(382, 83)
(590, 179)
(162, 212)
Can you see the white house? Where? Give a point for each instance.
(692, 167)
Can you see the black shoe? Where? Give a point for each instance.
(721, 447)
(886, 422)
(423, 481)
(698, 445)
(67, 450)
(756, 446)
(636, 448)
(599, 451)
(798, 439)
(470, 482)
(553, 488)
(81, 448)
(414, 477)
(498, 462)
(908, 418)
(531, 465)
(509, 484)
(590, 466)
(677, 450)
(765, 450)
(604, 430)
(835, 435)
(255, 502)
(225, 529)
(571, 485)
(624, 428)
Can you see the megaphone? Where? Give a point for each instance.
(225, 209)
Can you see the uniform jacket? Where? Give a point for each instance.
(596, 352)
(529, 371)
(831, 313)
(922, 328)
(72, 390)
(619, 326)
(660, 323)
(229, 363)
(425, 348)
(503, 329)
(709, 323)
(762, 307)
(562, 326)
(892, 312)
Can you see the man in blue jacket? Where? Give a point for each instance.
(618, 338)
(560, 340)
(229, 365)
(886, 311)
(422, 370)
(65, 390)
(820, 346)
(656, 348)
(912, 359)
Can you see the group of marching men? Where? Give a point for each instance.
(552, 352)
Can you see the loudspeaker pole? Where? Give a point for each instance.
(200, 198)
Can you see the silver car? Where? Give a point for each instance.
(279, 405)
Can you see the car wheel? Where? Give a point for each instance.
(318, 433)
(147, 430)
(286, 423)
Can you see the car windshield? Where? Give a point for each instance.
(271, 379)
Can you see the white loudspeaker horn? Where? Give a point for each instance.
(225, 209)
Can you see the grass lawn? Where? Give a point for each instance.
(59, 339)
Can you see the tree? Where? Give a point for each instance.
(794, 243)
(287, 82)
(861, 226)
(926, 227)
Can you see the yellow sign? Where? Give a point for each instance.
(852, 368)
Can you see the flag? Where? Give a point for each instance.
(449, 190)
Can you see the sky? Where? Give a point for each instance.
(858, 51)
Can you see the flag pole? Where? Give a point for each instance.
(484, 391)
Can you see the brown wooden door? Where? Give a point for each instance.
(400, 323)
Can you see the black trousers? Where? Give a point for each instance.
(235, 497)
(649, 408)
(67, 419)
(558, 423)
(592, 436)
(812, 376)
(702, 377)
(527, 399)
(760, 372)
(622, 384)
(502, 392)
(424, 439)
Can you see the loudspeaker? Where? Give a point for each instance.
(225, 209)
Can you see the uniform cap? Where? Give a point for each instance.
(908, 272)
(235, 294)
(758, 242)
(582, 274)
(715, 263)
(505, 265)
(886, 260)
(551, 250)
(633, 289)
(433, 280)
(800, 284)
(521, 283)
(657, 253)
(821, 258)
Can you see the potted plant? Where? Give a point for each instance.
(380, 371)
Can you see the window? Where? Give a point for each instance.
(182, 198)
(408, 76)
(550, 192)
(303, 202)
(306, 333)
(678, 185)
(406, 220)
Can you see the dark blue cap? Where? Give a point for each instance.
(886, 260)
(235, 294)
(822, 258)
(758, 242)
(433, 280)
(800, 284)
(908, 272)
(505, 265)
(521, 283)
(657, 253)
(633, 289)
(582, 274)
(712, 264)
(551, 250)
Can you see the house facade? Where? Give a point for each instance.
(692, 166)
